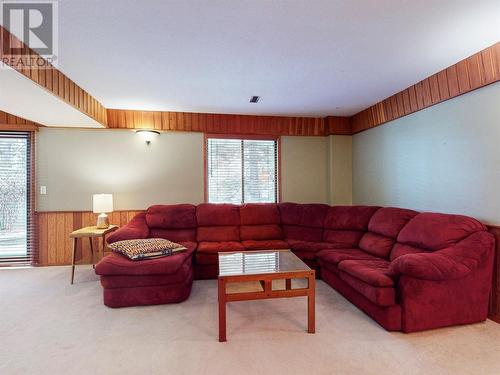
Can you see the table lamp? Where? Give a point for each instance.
(103, 203)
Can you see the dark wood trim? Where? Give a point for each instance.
(476, 71)
(12, 122)
(48, 77)
(338, 125)
(235, 125)
(19, 128)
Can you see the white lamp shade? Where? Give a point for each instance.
(103, 203)
(147, 135)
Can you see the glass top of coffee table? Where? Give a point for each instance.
(259, 262)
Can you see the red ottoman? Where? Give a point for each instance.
(146, 282)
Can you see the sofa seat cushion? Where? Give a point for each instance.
(117, 264)
(373, 272)
(207, 252)
(309, 247)
(264, 245)
(380, 295)
(335, 256)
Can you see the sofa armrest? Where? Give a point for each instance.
(453, 262)
(136, 228)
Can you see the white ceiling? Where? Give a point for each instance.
(303, 57)
(22, 97)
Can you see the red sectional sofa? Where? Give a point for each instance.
(409, 271)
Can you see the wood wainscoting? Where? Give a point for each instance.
(53, 229)
(495, 289)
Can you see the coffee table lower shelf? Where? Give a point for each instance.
(266, 281)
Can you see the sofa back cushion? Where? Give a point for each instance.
(435, 231)
(218, 222)
(345, 225)
(303, 222)
(175, 222)
(383, 229)
(173, 216)
(260, 221)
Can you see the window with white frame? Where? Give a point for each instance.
(242, 170)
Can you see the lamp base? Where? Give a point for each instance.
(102, 221)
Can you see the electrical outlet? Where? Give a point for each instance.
(43, 190)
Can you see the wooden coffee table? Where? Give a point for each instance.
(249, 275)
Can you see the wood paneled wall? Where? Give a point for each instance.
(476, 71)
(495, 292)
(7, 118)
(53, 229)
(338, 125)
(11, 122)
(227, 124)
(31, 65)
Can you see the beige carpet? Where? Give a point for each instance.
(50, 327)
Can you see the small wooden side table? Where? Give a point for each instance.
(89, 232)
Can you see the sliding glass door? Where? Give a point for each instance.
(15, 198)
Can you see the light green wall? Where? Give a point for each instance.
(76, 163)
(445, 158)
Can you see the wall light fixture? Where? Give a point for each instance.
(148, 135)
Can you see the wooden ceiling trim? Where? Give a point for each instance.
(13, 123)
(228, 124)
(478, 70)
(51, 79)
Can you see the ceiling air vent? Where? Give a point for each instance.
(254, 99)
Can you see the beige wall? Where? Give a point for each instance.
(445, 158)
(304, 169)
(75, 163)
(340, 169)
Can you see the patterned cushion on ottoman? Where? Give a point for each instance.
(146, 248)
